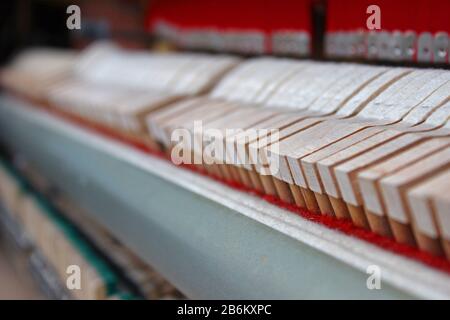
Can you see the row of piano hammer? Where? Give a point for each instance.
(365, 143)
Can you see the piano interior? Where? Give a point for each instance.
(338, 112)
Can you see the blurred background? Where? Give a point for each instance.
(24, 272)
(26, 23)
(333, 30)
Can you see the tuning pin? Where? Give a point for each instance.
(253, 42)
(340, 45)
(334, 44)
(371, 45)
(217, 41)
(383, 43)
(209, 40)
(344, 43)
(425, 47)
(199, 39)
(304, 41)
(360, 45)
(409, 45)
(245, 42)
(228, 40)
(191, 39)
(349, 44)
(396, 46)
(167, 31)
(330, 44)
(290, 43)
(441, 47)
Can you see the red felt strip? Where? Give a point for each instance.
(403, 15)
(261, 15)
